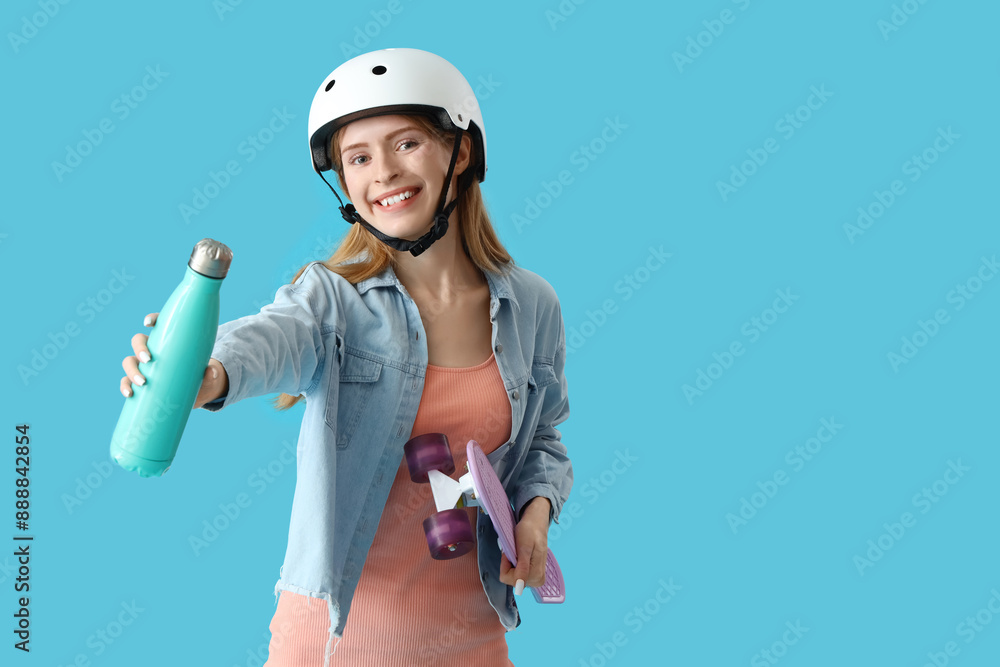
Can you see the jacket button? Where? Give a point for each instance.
(499, 348)
(516, 394)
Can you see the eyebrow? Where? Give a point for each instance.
(408, 128)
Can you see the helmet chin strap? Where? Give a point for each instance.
(440, 225)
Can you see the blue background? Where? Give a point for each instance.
(659, 568)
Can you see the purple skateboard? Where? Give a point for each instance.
(449, 534)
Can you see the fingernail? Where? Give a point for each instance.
(215, 372)
(144, 356)
(138, 379)
(126, 393)
(519, 587)
(149, 318)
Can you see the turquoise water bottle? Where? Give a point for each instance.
(180, 345)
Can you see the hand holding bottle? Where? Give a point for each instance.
(214, 384)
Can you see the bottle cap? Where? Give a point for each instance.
(211, 258)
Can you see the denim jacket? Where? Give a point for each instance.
(359, 355)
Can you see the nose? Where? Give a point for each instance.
(388, 168)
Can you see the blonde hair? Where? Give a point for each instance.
(360, 255)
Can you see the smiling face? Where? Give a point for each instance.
(394, 170)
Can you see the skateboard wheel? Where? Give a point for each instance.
(428, 452)
(449, 534)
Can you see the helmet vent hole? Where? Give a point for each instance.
(459, 118)
(378, 69)
(330, 85)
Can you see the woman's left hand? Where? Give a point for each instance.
(531, 535)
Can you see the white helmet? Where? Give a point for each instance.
(394, 81)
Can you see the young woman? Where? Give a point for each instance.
(420, 322)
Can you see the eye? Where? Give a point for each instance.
(359, 156)
(407, 142)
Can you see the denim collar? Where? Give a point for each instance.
(499, 284)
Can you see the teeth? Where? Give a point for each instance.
(396, 198)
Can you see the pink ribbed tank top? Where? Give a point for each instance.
(410, 609)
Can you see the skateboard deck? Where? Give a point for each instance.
(493, 499)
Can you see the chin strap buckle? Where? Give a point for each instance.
(437, 231)
(349, 213)
(418, 247)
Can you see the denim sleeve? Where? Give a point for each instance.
(547, 469)
(280, 349)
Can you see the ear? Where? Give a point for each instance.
(464, 154)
